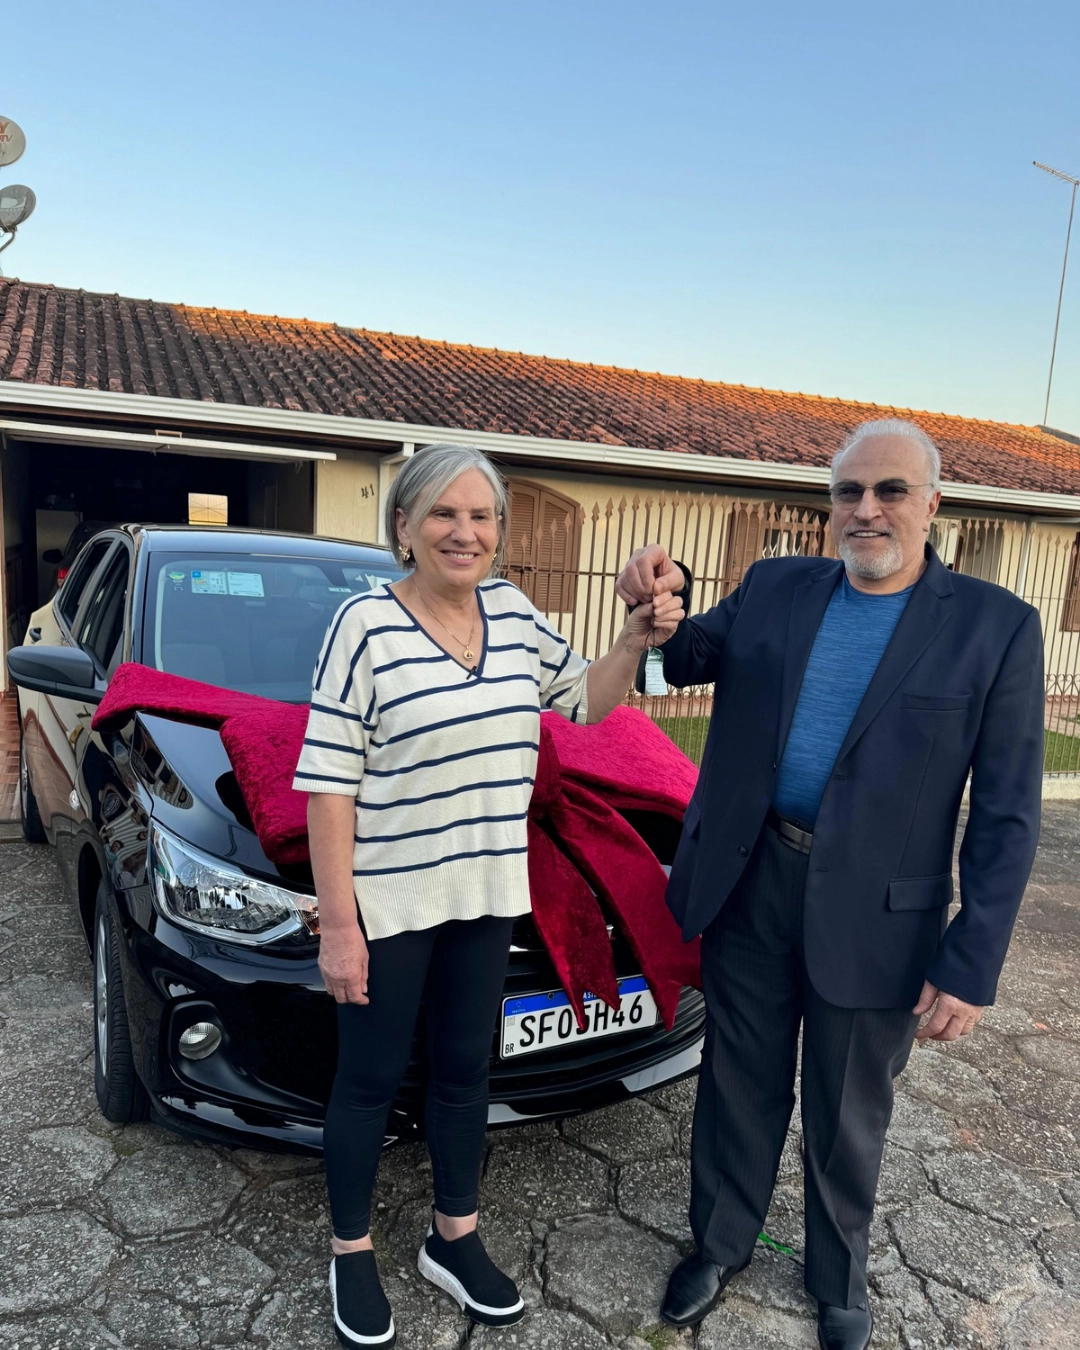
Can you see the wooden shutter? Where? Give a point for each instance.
(542, 547)
(745, 534)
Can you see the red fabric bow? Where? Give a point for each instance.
(578, 842)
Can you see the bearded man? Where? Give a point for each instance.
(852, 700)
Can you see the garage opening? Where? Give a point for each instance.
(56, 495)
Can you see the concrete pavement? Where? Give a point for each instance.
(132, 1237)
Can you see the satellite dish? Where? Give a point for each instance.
(12, 141)
(16, 204)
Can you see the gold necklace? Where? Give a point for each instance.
(467, 653)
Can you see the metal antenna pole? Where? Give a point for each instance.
(1061, 289)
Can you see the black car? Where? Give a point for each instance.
(209, 1010)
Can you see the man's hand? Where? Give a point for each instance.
(652, 623)
(649, 574)
(950, 1019)
(343, 964)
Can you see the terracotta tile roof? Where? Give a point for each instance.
(79, 340)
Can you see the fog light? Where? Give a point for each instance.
(200, 1040)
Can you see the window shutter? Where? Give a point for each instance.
(543, 546)
(1070, 613)
(745, 532)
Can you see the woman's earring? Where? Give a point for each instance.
(406, 555)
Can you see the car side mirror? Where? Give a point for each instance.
(52, 556)
(64, 672)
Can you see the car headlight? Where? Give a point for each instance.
(198, 891)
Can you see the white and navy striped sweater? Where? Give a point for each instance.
(441, 760)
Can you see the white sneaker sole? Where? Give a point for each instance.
(479, 1312)
(349, 1337)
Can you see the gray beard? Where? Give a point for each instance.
(885, 564)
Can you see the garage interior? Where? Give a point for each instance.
(48, 489)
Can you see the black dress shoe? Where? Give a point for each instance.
(694, 1288)
(843, 1328)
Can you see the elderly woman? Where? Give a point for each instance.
(419, 759)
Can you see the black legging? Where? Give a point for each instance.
(458, 967)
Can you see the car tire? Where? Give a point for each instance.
(32, 828)
(121, 1097)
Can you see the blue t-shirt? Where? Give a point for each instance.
(850, 643)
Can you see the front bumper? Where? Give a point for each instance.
(268, 1083)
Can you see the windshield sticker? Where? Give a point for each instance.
(207, 583)
(177, 579)
(245, 583)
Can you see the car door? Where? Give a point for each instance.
(45, 721)
(99, 630)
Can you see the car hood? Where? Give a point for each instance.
(187, 773)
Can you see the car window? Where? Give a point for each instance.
(101, 623)
(76, 581)
(248, 622)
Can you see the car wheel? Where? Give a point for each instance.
(120, 1095)
(32, 828)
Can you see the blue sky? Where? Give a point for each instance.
(836, 198)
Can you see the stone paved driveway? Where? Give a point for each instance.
(132, 1237)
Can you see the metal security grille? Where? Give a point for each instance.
(720, 536)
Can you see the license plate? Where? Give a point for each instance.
(542, 1021)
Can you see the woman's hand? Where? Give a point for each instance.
(651, 624)
(343, 964)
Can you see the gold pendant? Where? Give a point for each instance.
(468, 654)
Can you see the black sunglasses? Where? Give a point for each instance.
(888, 493)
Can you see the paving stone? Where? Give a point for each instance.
(1060, 1249)
(1025, 1141)
(964, 1322)
(1046, 1322)
(41, 995)
(153, 1321)
(947, 1081)
(31, 1043)
(542, 1329)
(739, 1325)
(1007, 1019)
(1051, 1053)
(58, 1331)
(586, 1271)
(678, 1098)
(287, 1224)
(197, 1271)
(775, 1281)
(920, 1126)
(627, 1133)
(162, 1190)
(63, 954)
(655, 1196)
(977, 1256)
(51, 1260)
(902, 1313)
(1044, 1094)
(544, 1178)
(902, 1180)
(980, 1182)
(50, 1167)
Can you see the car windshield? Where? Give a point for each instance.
(247, 621)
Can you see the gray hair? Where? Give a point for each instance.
(426, 476)
(894, 426)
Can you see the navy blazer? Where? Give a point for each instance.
(959, 687)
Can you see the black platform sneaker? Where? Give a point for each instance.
(361, 1312)
(471, 1278)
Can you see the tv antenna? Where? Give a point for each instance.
(1056, 173)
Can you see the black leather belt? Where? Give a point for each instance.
(789, 833)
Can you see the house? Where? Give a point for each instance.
(113, 407)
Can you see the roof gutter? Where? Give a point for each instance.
(573, 454)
